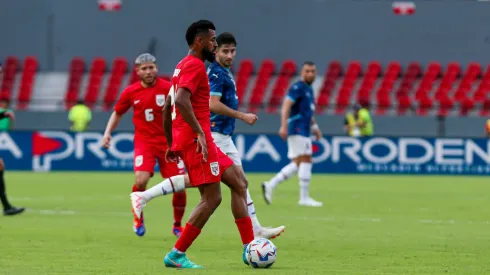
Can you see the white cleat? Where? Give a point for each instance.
(267, 192)
(310, 202)
(269, 233)
(137, 203)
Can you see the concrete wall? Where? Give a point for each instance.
(268, 123)
(319, 30)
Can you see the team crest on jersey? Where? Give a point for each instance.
(214, 168)
(160, 100)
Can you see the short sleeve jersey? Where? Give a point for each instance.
(190, 74)
(147, 106)
(299, 122)
(222, 84)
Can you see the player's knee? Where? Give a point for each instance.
(141, 181)
(214, 201)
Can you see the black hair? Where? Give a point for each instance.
(197, 28)
(309, 63)
(225, 39)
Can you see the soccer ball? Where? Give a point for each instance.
(261, 253)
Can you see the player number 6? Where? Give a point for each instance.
(149, 115)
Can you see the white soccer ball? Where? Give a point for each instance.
(261, 253)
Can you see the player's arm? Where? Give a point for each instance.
(315, 129)
(110, 127)
(122, 106)
(285, 111)
(167, 121)
(219, 108)
(183, 103)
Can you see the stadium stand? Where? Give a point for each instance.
(394, 89)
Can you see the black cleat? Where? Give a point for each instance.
(13, 211)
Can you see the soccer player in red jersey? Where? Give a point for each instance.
(147, 97)
(188, 130)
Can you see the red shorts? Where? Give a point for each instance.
(201, 172)
(146, 155)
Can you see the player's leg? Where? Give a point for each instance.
(235, 179)
(259, 231)
(179, 199)
(168, 186)
(144, 164)
(8, 209)
(210, 200)
(285, 173)
(226, 145)
(304, 174)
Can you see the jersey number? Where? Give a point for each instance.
(171, 94)
(149, 115)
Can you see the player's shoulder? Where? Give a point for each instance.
(132, 87)
(215, 71)
(297, 86)
(191, 61)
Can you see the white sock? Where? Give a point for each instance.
(168, 186)
(304, 175)
(252, 214)
(286, 172)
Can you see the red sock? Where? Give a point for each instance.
(136, 189)
(246, 230)
(178, 202)
(189, 234)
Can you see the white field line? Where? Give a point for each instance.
(52, 212)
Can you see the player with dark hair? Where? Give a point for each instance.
(224, 112)
(188, 130)
(297, 121)
(147, 97)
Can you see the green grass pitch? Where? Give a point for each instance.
(80, 223)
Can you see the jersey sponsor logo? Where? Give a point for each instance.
(215, 75)
(214, 168)
(160, 100)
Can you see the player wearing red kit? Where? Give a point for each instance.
(147, 97)
(187, 127)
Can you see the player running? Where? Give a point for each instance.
(147, 97)
(188, 129)
(296, 123)
(224, 105)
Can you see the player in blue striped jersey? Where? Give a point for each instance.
(224, 112)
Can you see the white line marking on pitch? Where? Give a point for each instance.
(53, 212)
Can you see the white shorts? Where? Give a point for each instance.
(299, 146)
(225, 143)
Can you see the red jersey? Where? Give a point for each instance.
(147, 106)
(190, 73)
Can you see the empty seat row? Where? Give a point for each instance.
(432, 88)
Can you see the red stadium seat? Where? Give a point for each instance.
(77, 68)
(288, 69)
(119, 69)
(243, 75)
(27, 82)
(97, 71)
(9, 69)
(266, 70)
